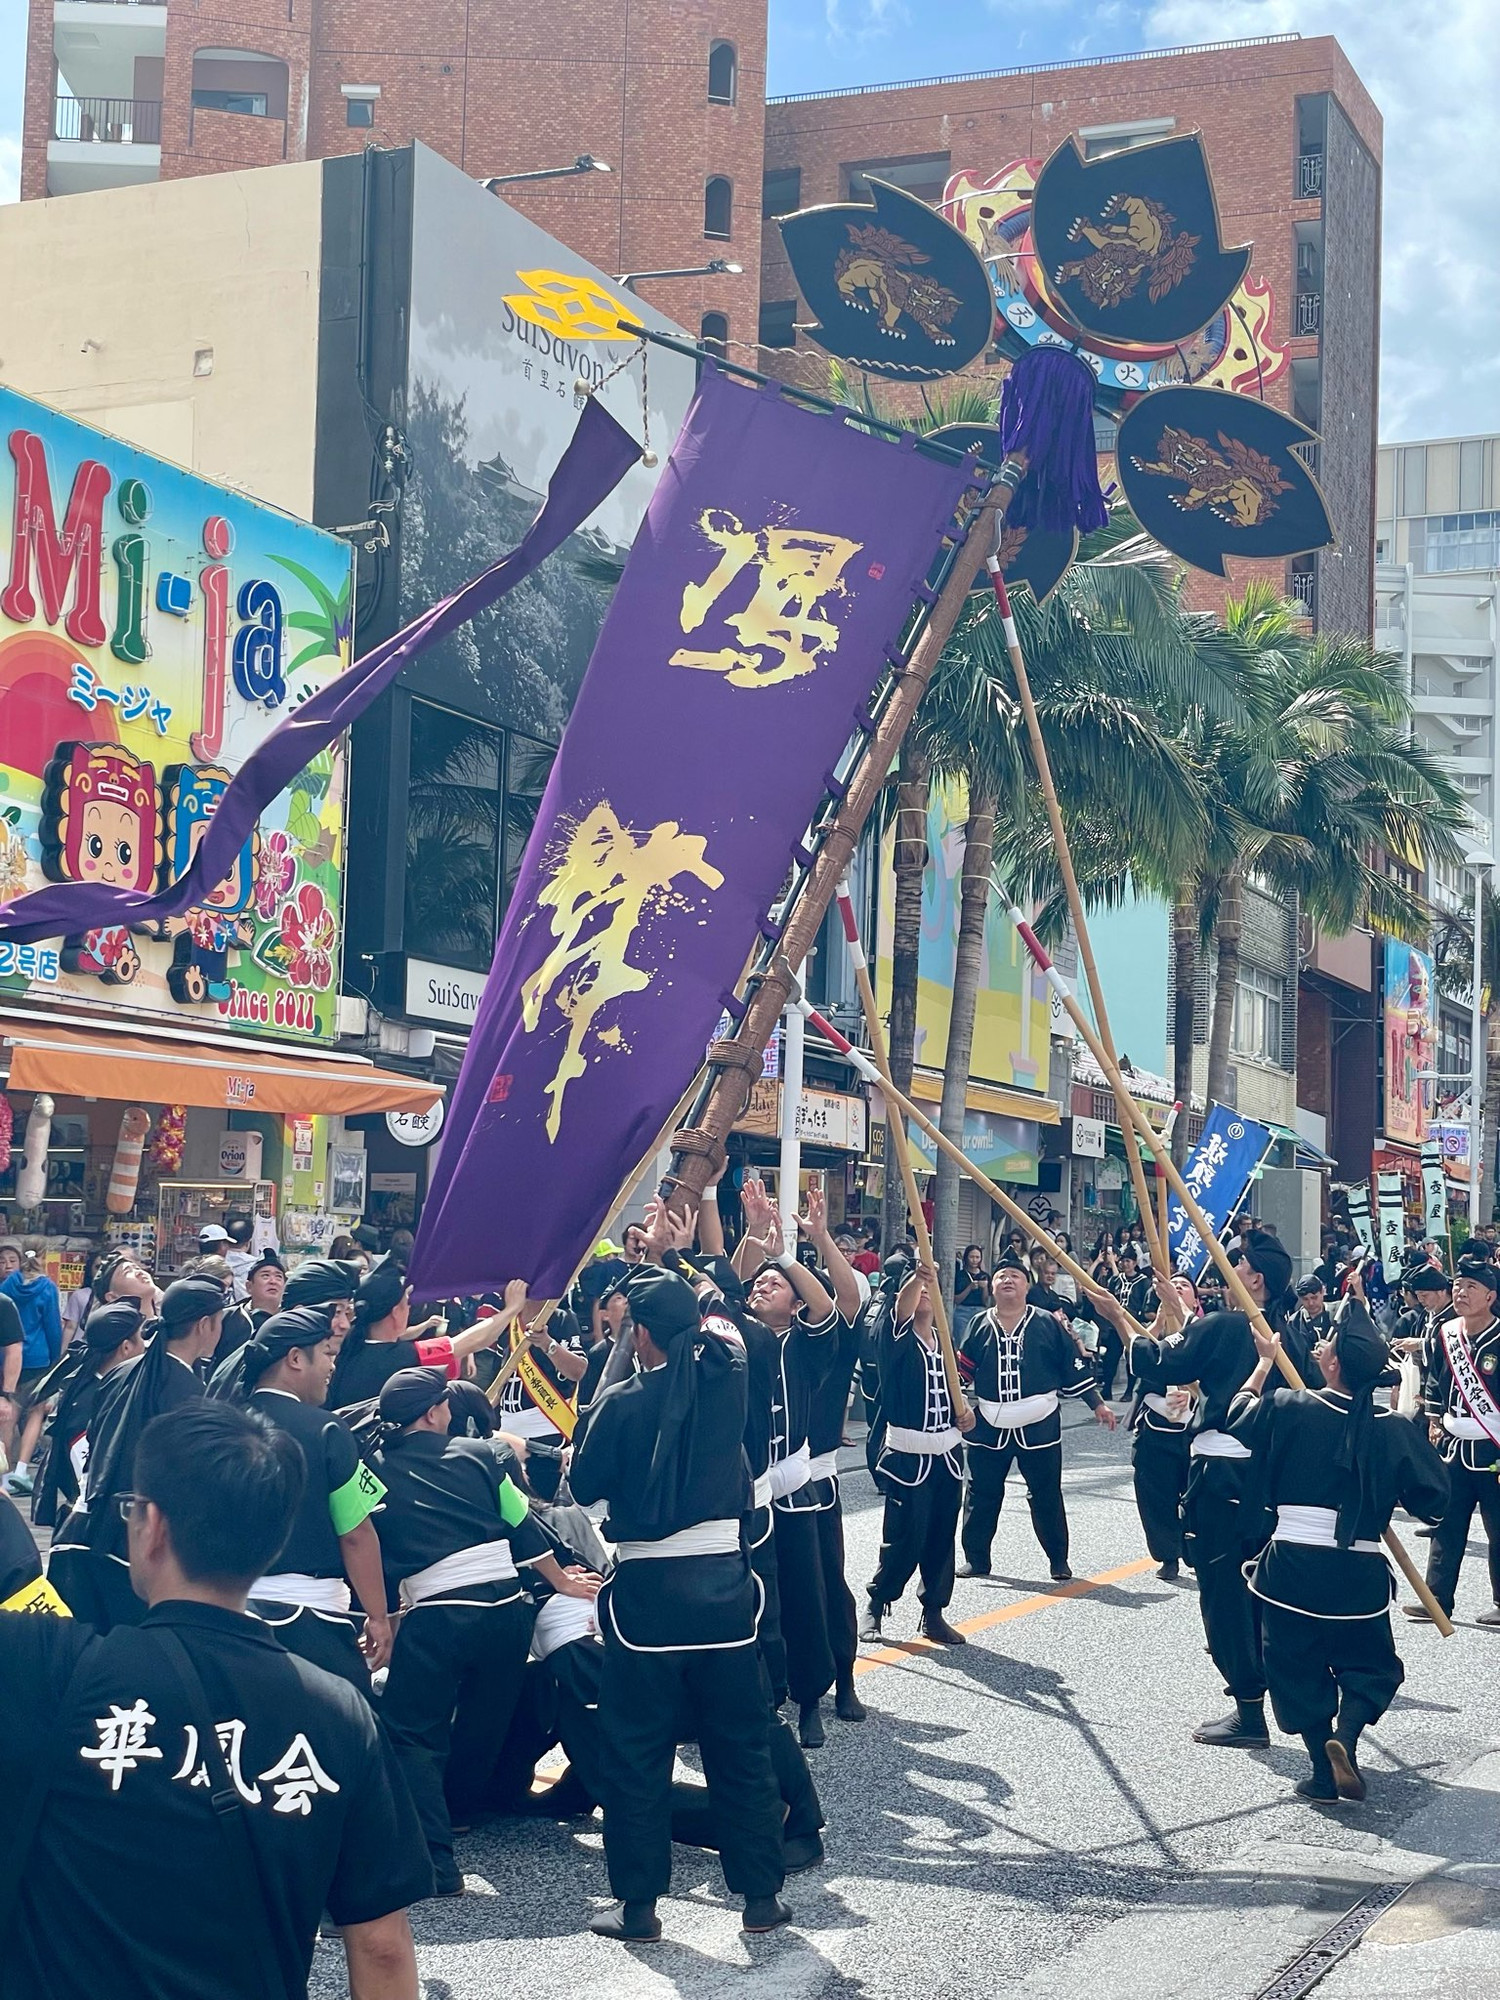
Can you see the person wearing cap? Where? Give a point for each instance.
(382, 1339)
(305, 1598)
(89, 1564)
(213, 1238)
(1461, 1399)
(454, 1532)
(1334, 1469)
(265, 1288)
(111, 1337)
(664, 1449)
(1223, 1526)
(1022, 1366)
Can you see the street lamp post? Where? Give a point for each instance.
(717, 267)
(1478, 862)
(584, 164)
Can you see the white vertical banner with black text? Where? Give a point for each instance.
(1434, 1190)
(1390, 1213)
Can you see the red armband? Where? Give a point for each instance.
(438, 1354)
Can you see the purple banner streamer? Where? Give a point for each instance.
(596, 460)
(780, 557)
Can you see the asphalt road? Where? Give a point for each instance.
(1026, 1817)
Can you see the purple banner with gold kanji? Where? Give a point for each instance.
(778, 562)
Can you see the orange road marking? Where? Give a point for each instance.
(891, 1656)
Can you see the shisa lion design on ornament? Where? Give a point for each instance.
(607, 881)
(1239, 484)
(1132, 239)
(875, 275)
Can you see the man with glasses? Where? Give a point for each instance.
(1461, 1366)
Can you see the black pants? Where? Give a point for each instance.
(1213, 1542)
(1107, 1359)
(321, 1637)
(1467, 1490)
(456, 1672)
(768, 1632)
(917, 1534)
(804, 1605)
(1042, 1471)
(1161, 1461)
(1322, 1669)
(643, 1699)
(843, 1615)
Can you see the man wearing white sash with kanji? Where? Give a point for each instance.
(1460, 1384)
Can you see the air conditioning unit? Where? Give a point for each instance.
(353, 1016)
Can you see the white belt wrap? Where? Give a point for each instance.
(791, 1474)
(317, 1593)
(761, 1497)
(704, 1538)
(1464, 1427)
(484, 1562)
(1315, 1528)
(560, 1621)
(1013, 1416)
(527, 1422)
(926, 1444)
(824, 1466)
(1163, 1408)
(1218, 1444)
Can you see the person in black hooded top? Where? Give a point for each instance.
(665, 1450)
(382, 1340)
(1334, 1469)
(111, 1337)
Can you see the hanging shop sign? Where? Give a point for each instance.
(824, 1117)
(153, 629)
(415, 1128)
(1088, 1138)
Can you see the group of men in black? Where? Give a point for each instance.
(357, 1505)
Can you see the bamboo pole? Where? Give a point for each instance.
(1156, 1244)
(1161, 1179)
(1206, 1231)
(896, 1137)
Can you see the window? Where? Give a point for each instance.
(713, 332)
(722, 72)
(923, 174)
(1101, 139)
(359, 111)
(249, 103)
(1413, 479)
(1259, 997)
(1471, 473)
(781, 191)
(778, 323)
(718, 207)
(1445, 542)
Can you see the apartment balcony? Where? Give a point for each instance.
(103, 142)
(1308, 317)
(1310, 177)
(106, 126)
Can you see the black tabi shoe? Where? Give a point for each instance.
(447, 1877)
(936, 1628)
(1319, 1787)
(973, 1569)
(804, 1851)
(1170, 1571)
(765, 1913)
(847, 1705)
(1062, 1574)
(870, 1633)
(1244, 1730)
(810, 1726)
(628, 1923)
(1346, 1777)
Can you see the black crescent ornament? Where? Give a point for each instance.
(1209, 475)
(896, 289)
(1037, 557)
(1130, 244)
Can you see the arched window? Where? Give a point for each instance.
(718, 206)
(713, 332)
(723, 68)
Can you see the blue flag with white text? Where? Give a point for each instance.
(1219, 1169)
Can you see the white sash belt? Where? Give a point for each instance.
(791, 1474)
(484, 1562)
(1218, 1444)
(1464, 1427)
(761, 1497)
(824, 1466)
(927, 1444)
(316, 1593)
(1013, 1416)
(527, 1422)
(560, 1621)
(1163, 1408)
(1315, 1528)
(704, 1538)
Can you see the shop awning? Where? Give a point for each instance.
(74, 1062)
(927, 1088)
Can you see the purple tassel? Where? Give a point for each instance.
(1047, 411)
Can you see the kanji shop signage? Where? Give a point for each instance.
(153, 629)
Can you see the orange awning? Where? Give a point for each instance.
(72, 1062)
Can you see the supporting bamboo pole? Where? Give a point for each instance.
(1155, 1243)
(896, 1137)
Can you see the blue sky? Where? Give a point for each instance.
(1433, 67)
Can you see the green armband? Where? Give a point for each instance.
(355, 1501)
(514, 1506)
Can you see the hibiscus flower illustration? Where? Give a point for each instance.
(307, 937)
(278, 871)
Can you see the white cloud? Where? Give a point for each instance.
(865, 22)
(1433, 68)
(10, 167)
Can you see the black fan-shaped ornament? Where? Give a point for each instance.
(896, 289)
(1037, 557)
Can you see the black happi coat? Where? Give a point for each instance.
(1294, 1436)
(1441, 1398)
(666, 1603)
(1050, 1365)
(809, 1350)
(905, 1403)
(444, 1494)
